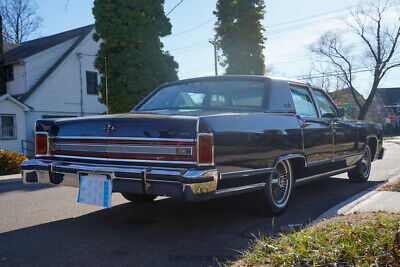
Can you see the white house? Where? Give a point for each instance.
(50, 77)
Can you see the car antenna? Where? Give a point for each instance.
(105, 69)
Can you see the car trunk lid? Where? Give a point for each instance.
(131, 137)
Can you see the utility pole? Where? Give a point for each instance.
(3, 89)
(214, 43)
(105, 69)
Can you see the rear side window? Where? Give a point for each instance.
(326, 107)
(303, 102)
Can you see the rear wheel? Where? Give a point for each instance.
(137, 198)
(362, 170)
(275, 195)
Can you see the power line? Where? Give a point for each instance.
(189, 45)
(192, 28)
(290, 28)
(295, 27)
(314, 16)
(192, 49)
(335, 73)
(169, 12)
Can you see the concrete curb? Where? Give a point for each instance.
(6, 179)
(9, 181)
(353, 201)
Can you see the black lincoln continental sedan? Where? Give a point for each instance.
(203, 138)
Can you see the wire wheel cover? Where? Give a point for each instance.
(280, 184)
(365, 163)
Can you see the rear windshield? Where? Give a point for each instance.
(237, 95)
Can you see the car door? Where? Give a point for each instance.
(344, 133)
(317, 131)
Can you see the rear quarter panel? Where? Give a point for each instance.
(369, 130)
(253, 140)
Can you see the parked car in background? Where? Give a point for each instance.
(209, 137)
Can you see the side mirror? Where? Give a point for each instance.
(341, 112)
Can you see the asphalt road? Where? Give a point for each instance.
(43, 225)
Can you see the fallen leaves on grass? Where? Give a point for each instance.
(393, 186)
(355, 240)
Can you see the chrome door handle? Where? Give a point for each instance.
(334, 123)
(305, 124)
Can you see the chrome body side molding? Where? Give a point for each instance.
(244, 173)
(334, 172)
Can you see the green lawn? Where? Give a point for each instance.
(352, 240)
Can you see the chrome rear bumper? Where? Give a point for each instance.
(189, 184)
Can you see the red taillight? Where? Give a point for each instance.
(205, 153)
(41, 144)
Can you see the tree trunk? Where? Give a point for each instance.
(368, 102)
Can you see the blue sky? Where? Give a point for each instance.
(290, 26)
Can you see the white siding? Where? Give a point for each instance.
(18, 85)
(61, 91)
(38, 64)
(89, 48)
(9, 107)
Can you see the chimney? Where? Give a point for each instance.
(3, 88)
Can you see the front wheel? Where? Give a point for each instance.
(362, 170)
(276, 193)
(137, 198)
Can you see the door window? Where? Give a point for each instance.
(326, 106)
(303, 102)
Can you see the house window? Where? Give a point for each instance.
(9, 73)
(91, 83)
(7, 127)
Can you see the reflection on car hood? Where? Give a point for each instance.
(193, 112)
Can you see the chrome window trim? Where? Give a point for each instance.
(126, 160)
(124, 138)
(212, 150)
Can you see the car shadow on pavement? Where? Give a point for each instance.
(167, 231)
(19, 186)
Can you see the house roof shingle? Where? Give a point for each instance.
(32, 47)
(389, 96)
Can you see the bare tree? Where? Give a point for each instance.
(368, 43)
(19, 20)
(323, 79)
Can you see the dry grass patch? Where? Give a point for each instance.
(393, 186)
(353, 240)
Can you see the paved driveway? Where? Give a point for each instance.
(44, 224)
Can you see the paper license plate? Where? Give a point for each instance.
(95, 190)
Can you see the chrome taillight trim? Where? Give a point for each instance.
(175, 150)
(125, 138)
(212, 150)
(48, 143)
